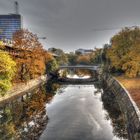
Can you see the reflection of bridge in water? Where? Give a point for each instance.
(93, 68)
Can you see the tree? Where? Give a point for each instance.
(72, 58)
(95, 58)
(31, 59)
(61, 56)
(78, 58)
(124, 51)
(48, 56)
(51, 66)
(7, 71)
(132, 65)
(83, 59)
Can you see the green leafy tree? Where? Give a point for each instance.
(96, 57)
(61, 58)
(72, 58)
(7, 71)
(51, 66)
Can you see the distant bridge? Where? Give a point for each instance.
(93, 68)
(89, 67)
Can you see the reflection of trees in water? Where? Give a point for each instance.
(52, 87)
(98, 87)
(114, 113)
(78, 72)
(24, 118)
(83, 72)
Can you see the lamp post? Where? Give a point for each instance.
(43, 38)
(101, 56)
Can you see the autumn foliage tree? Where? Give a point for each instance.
(31, 59)
(7, 71)
(83, 59)
(125, 50)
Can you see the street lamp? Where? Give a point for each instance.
(101, 56)
(43, 38)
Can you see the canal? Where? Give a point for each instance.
(62, 112)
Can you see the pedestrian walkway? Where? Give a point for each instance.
(22, 88)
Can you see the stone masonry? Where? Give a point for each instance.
(126, 103)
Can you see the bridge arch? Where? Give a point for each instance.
(89, 67)
(92, 68)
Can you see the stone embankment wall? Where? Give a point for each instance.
(22, 89)
(126, 103)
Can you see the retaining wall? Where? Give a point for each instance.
(127, 105)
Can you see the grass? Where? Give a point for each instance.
(130, 83)
(133, 86)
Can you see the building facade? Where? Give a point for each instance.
(9, 24)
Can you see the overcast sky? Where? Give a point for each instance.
(73, 24)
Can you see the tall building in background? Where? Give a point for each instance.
(9, 24)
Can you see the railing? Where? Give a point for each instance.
(91, 67)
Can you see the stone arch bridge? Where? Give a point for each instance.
(89, 67)
(93, 68)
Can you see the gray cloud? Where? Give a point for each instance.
(71, 24)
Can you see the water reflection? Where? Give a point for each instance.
(76, 77)
(52, 87)
(26, 118)
(76, 73)
(75, 114)
(115, 115)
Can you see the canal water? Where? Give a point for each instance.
(62, 112)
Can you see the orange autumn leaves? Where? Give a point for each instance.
(32, 58)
